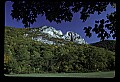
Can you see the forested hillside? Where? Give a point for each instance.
(24, 55)
(107, 44)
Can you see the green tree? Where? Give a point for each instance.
(110, 60)
(22, 53)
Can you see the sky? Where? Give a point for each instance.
(76, 25)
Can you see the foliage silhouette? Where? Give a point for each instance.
(58, 11)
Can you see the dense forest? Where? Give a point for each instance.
(107, 44)
(24, 55)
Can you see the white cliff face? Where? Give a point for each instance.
(71, 36)
(43, 40)
(52, 32)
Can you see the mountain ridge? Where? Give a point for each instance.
(52, 32)
(107, 44)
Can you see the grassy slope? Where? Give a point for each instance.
(110, 74)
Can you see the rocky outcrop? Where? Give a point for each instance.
(52, 32)
(74, 37)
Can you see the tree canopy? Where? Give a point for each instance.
(58, 11)
(24, 55)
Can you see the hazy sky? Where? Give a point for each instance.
(76, 25)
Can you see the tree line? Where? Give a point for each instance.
(107, 44)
